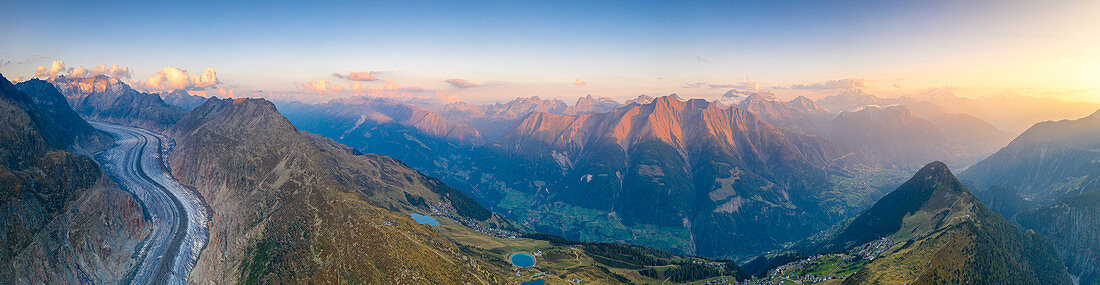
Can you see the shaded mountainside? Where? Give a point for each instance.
(39, 177)
(1073, 224)
(1046, 177)
(1049, 161)
(931, 230)
(102, 98)
(294, 207)
(62, 221)
(72, 129)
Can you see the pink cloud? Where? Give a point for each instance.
(322, 87)
(461, 83)
(579, 82)
(357, 76)
(58, 68)
(171, 78)
(225, 92)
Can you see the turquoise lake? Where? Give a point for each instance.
(522, 260)
(424, 219)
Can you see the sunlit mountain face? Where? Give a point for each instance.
(710, 142)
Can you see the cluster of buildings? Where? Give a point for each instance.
(720, 280)
(873, 249)
(787, 272)
(445, 210)
(721, 267)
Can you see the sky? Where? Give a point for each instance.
(498, 50)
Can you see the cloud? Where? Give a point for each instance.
(323, 87)
(114, 71)
(752, 85)
(171, 78)
(897, 83)
(461, 83)
(847, 83)
(579, 82)
(358, 76)
(56, 68)
(225, 92)
(5, 62)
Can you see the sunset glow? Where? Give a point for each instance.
(618, 50)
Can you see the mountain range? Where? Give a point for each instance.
(287, 206)
(107, 99)
(702, 179)
(615, 164)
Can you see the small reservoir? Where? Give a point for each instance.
(425, 220)
(522, 260)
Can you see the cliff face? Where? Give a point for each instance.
(63, 221)
(293, 207)
(76, 131)
(1073, 224)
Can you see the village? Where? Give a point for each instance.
(445, 210)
